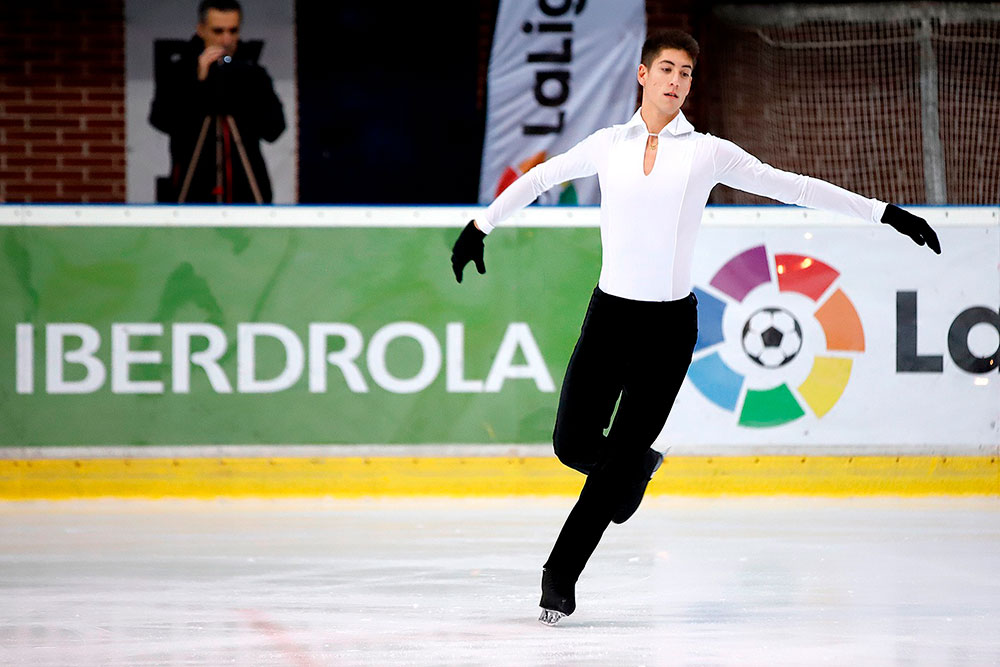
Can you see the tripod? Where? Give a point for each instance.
(200, 145)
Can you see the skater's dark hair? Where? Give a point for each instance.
(669, 39)
(218, 5)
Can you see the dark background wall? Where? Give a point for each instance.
(388, 105)
(392, 101)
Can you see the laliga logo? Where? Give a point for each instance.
(750, 356)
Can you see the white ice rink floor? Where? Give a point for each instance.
(688, 581)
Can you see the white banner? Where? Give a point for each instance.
(558, 72)
(827, 334)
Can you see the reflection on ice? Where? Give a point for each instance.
(455, 581)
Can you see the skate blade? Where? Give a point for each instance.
(550, 616)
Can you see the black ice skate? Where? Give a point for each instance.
(558, 598)
(636, 493)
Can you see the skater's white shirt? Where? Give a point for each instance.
(649, 223)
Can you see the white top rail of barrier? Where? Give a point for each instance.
(123, 215)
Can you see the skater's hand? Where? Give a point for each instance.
(468, 248)
(914, 227)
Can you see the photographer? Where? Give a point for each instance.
(213, 77)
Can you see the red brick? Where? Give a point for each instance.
(70, 68)
(96, 148)
(113, 199)
(32, 135)
(31, 190)
(6, 121)
(88, 135)
(111, 57)
(110, 42)
(101, 21)
(104, 96)
(31, 161)
(13, 95)
(60, 175)
(60, 148)
(64, 122)
(13, 68)
(87, 109)
(81, 81)
(108, 175)
(51, 42)
(91, 188)
(85, 161)
(22, 80)
(61, 199)
(31, 109)
(31, 54)
(56, 95)
(10, 175)
(115, 123)
(104, 68)
(15, 147)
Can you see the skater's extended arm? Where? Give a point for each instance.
(579, 161)
(738, 169)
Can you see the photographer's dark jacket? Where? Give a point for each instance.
(181, 103)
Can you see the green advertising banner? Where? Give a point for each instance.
(300, 335)
(130, 325)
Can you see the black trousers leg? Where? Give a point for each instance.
(592, 385)
(643, 351)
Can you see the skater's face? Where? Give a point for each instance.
(667, 82)
(221, 29)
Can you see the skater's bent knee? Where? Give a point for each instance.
(571, 453)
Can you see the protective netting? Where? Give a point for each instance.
(898, 104)
(969, 89)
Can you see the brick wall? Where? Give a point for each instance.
(62, 101)
(680, 15)
(487, 22)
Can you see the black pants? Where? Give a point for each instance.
(640, 351)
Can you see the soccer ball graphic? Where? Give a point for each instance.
(772, 337)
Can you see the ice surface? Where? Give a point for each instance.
(731, 581)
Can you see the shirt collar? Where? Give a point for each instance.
(678, 126)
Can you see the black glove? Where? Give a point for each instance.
(914, 227)
(468, 248)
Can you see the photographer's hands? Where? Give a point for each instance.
(210, 55)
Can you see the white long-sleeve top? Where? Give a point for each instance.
(649, 223)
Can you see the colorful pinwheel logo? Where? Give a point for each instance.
(752, 370)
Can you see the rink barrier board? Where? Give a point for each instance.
(115, 272)
(34, 479)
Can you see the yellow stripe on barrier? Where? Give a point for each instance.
(487, 476)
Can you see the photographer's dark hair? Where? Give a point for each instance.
(669, 39)
(218, 5)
